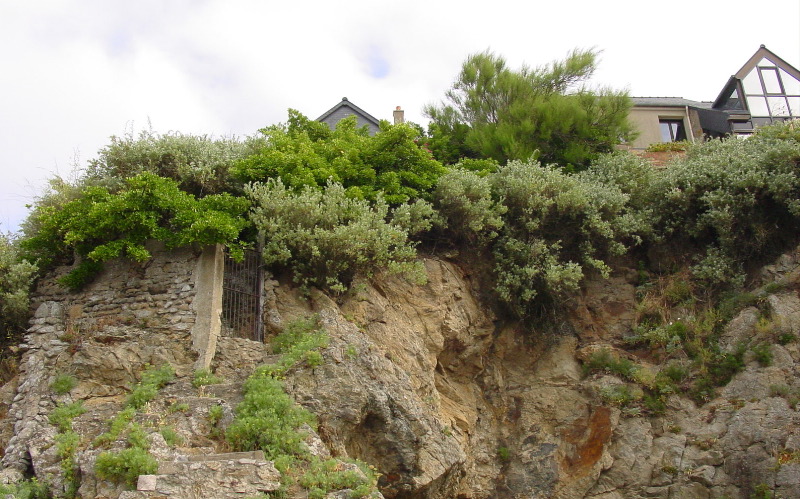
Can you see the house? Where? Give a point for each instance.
(765, 90)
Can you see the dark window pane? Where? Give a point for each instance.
(761, 121)
(672, 130)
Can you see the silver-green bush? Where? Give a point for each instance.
(325, 237)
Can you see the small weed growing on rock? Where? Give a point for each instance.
(778, 390)
(63, 415)
(786, 338)
(171, 436)
(604, 360)
(762, 491)
(299, 342)
(137, 437)
(313, 358)
(118, 425)
(670, 470)
(763, 354)
(203, 377)
(215, 413)
(153, 379)
(351, 352)
(63, 384)
(179, 407)
(28, 489)
(268, 419)
(322, 477)
(125, 466)
(618, 395)
(66, 446)
(503, 454)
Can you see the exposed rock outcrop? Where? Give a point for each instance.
(429, 386)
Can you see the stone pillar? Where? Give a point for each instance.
(207, 304)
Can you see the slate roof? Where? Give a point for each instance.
(346, 108)
(669, 102)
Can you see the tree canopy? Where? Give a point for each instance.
(546, 113)
(307, 153)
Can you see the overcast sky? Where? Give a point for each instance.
(75, 72)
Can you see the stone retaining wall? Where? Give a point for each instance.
(179, 289)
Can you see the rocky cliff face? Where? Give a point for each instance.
(442, 397)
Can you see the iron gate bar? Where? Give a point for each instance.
(242, 295)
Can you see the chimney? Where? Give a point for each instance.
(398, 116)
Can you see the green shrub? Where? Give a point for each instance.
(763, 354)
(101, 225)
(326, 238)
(268, 419)
(125, 466)
(171, 437)
(203, 377)
(28, 489)
(604, 360)
(558, 228)
(464, 199)
(305, 153)
(618, 395)
(215, 413)
(137, 437)
(63, 414)
(66, 446)
(200, 164)
(325, 476)
(16, 276)
(118, 425)
(63, 384)
(153, 379)
(736, 198)
(677, 146)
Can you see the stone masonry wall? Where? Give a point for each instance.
(155, 293)
(176, 292)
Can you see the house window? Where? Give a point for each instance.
(672, 130)
(772, 94)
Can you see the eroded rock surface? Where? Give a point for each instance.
(447, 401)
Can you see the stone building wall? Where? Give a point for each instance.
(155, 293)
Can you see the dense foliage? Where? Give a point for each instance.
(100, 224)
(735, 199)
(545, 113)
(306, 153)
(16, 276)
(200, 164)
(326, 237)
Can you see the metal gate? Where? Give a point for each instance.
(242, 297)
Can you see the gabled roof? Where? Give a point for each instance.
(765, 53)
(347, 108)
(762, 53)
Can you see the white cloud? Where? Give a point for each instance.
(75, 72)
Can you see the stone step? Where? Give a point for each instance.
(177, 466)
(232, 474)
